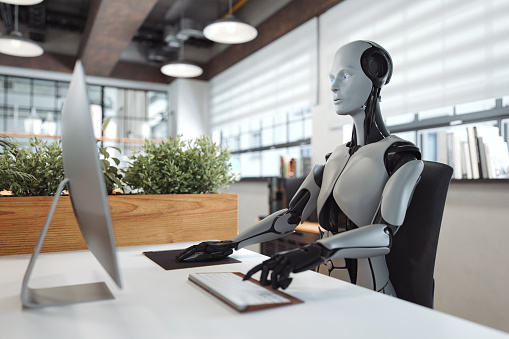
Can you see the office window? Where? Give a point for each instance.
(157, 114)
(2, 87)
(62, 88)
(44, 94)
(260, 107)
(33, 106)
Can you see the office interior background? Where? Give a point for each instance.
(271, 99)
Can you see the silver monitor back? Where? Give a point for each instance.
(87, 191)
(86, 182)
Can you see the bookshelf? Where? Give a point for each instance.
(473, 143)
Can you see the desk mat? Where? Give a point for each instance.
(166, 259)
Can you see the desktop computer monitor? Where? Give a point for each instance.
(87, 191)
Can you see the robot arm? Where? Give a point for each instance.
(274, 226)
(364, 242)
(283, 222)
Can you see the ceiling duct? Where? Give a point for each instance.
(65, 21)
(158, 54)
(148, 37)
(190, 28)
(6, 14)
(170, 36)
(37, 22)
(154, 55)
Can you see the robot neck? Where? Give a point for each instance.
(371, 128)
(358, 136)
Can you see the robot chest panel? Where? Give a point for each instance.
(359, 188)
(358, 183)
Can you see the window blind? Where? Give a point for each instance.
(445, 52)
(277, 80)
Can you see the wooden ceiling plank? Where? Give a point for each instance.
(110, 27)
(47, 62)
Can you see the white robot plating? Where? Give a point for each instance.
(361, 193)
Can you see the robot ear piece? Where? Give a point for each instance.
(377, 65)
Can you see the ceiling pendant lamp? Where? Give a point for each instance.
(14, 44)
(230, 30)
(22, 2)
(182, 69)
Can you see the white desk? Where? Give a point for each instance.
(155, 303)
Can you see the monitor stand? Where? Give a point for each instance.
(60, 295)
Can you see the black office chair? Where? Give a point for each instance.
(411, 261)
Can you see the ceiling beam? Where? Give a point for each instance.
(65, 64)
(110, 26)
(283, 21)
(47, 62)
(138, 72)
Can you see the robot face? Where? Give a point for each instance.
(350, 85)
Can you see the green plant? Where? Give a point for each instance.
(8, 170)
(38, 170)
(6, 142)
(112, 174)
(177, 166)
(42, 163)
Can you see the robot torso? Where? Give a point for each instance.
(352, 186)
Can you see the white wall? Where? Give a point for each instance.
(253, 203)
(189, 104)
(325, 138)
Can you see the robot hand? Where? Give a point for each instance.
(208, 251)
(281, 264)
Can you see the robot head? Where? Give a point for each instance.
(359, 71)
(350, 85)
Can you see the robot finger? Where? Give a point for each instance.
(252, 271)
(284, 282)
(280, 275)
(221, 254)
(264, 274)
(276, 271)
(284, 277)
(274, 281)
(188, 252)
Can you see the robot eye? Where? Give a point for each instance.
(332, 80)
(346, 75)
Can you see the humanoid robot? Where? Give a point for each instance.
(361, 193)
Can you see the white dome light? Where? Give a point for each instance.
(14, 44)
(182, 69)
(230, 30)
(22, 2)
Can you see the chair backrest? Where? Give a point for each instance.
(288, 187)
(411, 261)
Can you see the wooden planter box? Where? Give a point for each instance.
(137, 220)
